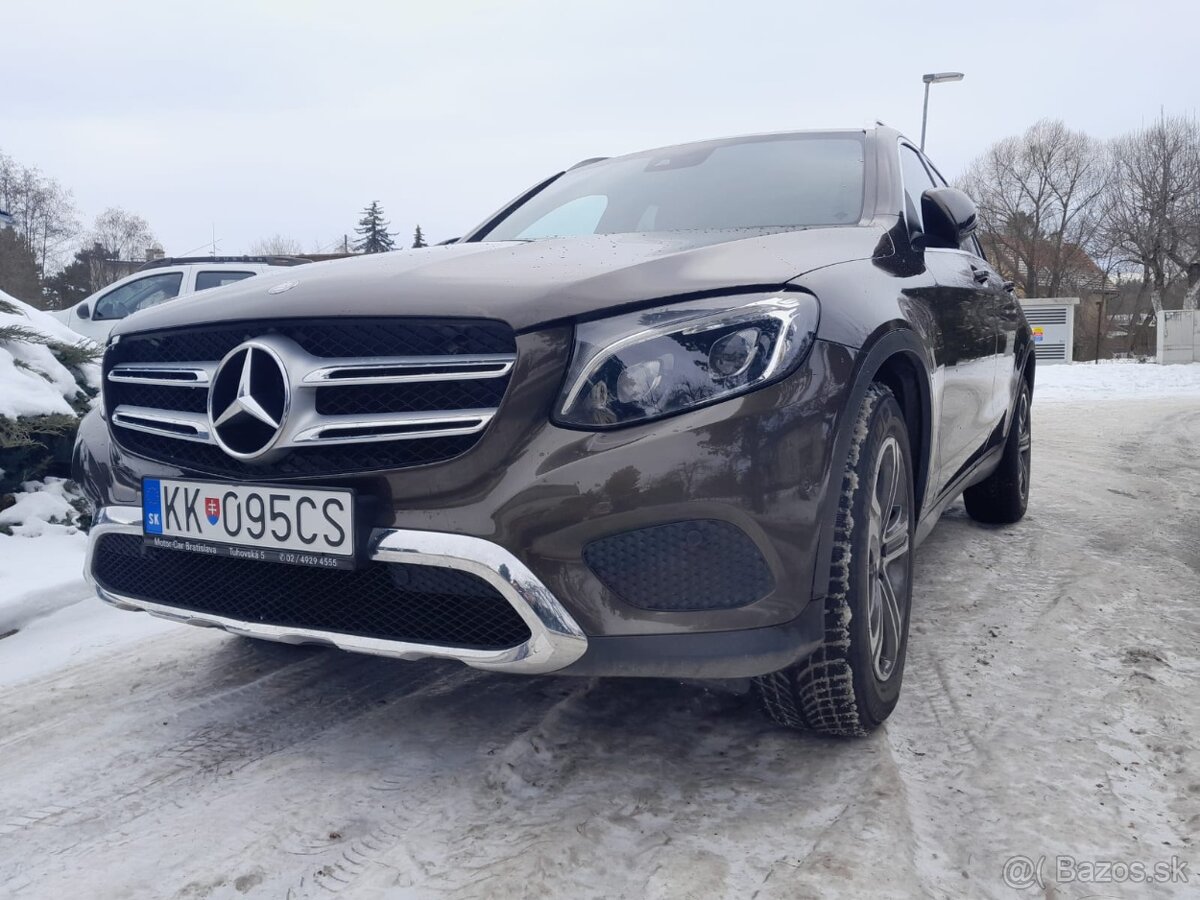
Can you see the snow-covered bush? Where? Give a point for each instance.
(53, 506)
(48, 377)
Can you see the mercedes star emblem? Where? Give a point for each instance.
(248, 401)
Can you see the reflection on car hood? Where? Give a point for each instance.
(525, 283)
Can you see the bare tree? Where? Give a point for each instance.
(43, 212)
(276, 245)
(1152, 216)
(125, 234)
(1040, 198)
(117, 235)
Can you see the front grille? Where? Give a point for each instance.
(390, 601)
(356, 386)
(701, 564)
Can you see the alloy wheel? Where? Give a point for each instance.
(1024, 443)
(889, 558)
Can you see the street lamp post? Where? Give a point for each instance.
(934, 78)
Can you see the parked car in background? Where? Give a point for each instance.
(157, 282)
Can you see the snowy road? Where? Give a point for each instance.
(1050, 707)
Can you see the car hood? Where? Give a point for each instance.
(524, 283)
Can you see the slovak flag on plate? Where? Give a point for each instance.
(212, 510)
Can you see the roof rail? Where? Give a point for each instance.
(588, 162)
(188, 260)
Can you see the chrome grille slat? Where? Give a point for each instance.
(397, 426)
(171, 424)
(164, 374)
(409, 369)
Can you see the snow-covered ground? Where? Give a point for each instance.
(1095, 382)
(1049, 709)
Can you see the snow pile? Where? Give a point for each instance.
(52, 506)
(1116, 380)
(40, 577)
(35, 352)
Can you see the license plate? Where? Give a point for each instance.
(301, 526)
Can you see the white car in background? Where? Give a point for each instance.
(159, 281)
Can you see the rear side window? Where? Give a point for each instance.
(777, 182)
(138, 294)
(212, 279)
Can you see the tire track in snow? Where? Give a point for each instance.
(237, 729)
(334, 867)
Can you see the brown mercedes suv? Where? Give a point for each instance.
(683, 413)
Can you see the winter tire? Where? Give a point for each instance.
(852, 682)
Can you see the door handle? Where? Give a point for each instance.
(980, 275)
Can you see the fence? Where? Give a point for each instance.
(1178, 336)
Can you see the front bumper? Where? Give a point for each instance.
(556, 643)
(555, 640)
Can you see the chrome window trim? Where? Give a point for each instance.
(555, 641)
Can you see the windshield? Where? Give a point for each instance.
(788, 181)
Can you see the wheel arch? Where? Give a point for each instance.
(903, 374)
(897, 358)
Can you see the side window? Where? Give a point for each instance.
(574, 218)
(971, 245)
(138, 294)
(212, 279)
(916, 182)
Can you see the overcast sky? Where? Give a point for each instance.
(264, 118)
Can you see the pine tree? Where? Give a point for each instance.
(18, 269)
(419, 239)
(373, 228)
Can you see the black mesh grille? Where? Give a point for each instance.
(348, 400)
(420, 604)
(701, 564)
(323, 337)
(300, 462)
(183, 399)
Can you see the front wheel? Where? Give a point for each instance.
(852, 682)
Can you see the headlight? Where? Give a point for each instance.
(665, 360)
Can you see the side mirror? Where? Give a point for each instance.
(950, 217)
(82, 311)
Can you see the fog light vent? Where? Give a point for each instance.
(695, 565)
